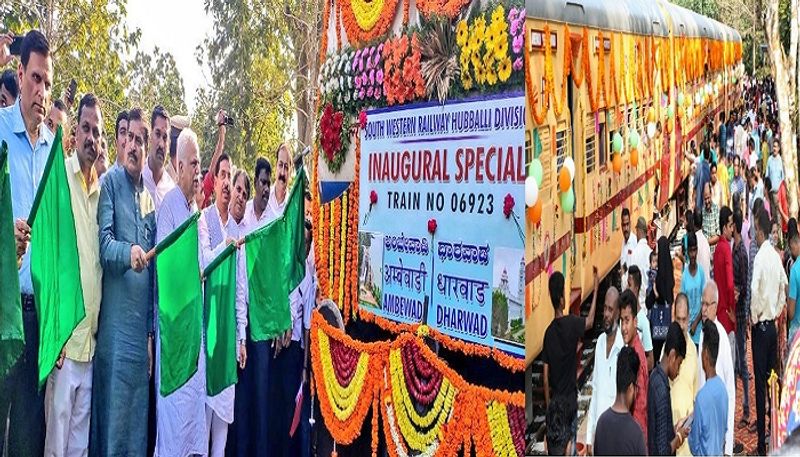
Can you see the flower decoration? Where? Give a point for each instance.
(366, 20)
(362, 119)
(508, 205)
(373, 198)
(432, 226)
(447, 8)
(402, 78)
(491, 50)
(333, 138)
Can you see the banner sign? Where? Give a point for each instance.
(441, 209)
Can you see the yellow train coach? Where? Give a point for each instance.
(617, 90)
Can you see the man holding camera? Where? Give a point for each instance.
(223, 120)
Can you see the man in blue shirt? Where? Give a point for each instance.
(775, 167)
(29, 142)
(707, 436)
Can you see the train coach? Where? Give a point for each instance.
(616, 93)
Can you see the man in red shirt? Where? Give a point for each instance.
(208, 179)
(723, 275)
(783, 206)
(628, 307)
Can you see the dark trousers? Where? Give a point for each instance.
(765, 346)
(252, 407)
(286, 374)
(741, 365)
(305, 425)
(21, 401)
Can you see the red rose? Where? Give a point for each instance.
(432, 226)
(373, 197)
(362, 119)
(508, 205)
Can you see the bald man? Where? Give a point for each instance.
(605, 363)
(724, 365)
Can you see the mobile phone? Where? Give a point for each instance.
(15, 48)
(70, 95)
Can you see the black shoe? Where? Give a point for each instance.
(738, 448)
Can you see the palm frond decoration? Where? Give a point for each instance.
(439, 64)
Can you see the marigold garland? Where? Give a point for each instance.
(447, 8)
(363, 23)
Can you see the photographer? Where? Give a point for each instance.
(208, 181)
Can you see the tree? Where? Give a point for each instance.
(787, 89)
(499, 314)
(155, 80)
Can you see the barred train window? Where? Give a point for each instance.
(546, 158)
(561, 148)
(590, 149)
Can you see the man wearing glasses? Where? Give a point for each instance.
(724, 361)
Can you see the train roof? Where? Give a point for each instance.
(642, 17)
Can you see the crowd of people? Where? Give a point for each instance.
(103, 397)
(676, 339)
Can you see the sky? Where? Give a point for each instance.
(176, 26)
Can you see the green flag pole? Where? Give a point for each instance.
(42, 185)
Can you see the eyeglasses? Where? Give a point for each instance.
(706, 303)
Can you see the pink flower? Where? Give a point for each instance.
(358, 82)
(517, 65)
(369, 92)
(515, 26)
(373, 196)
(378, 92)
(372, 77)
(379, 76)
(508, 205)
(358, 55)
(362, 121)
(519, 42)
(361, 94)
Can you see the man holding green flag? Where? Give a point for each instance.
(68, 397)
(276, 257)
(226, 306)
(180, 356)
(29, 143)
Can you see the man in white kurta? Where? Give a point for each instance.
(181, 428)
(724, 366)
(68, 398)
(604, 375)
(217, 229)
(156, 179)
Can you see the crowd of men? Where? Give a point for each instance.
(677, 337)
(103, 397)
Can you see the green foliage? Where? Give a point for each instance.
(87, 40)
(499, 314)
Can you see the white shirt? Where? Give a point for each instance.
(704, 253)
(768, 285)
(302, 301)
(725, 372)
(276, 209)
(641, 258)
(222, 403)
(157, 191)
(625, 255)
(251, 222)
(604, 381)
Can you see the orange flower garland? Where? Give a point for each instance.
(601, 65)
(382, 24)
(549, 83)
(530, 95)
(447, 8)
(338, 25)
(587, 71)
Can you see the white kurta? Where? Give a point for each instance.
(604, 380)
(181, 428)
(222, 403)
(725, 372)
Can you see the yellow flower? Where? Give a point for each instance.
(498, 14)
(479, 28)
(461, 33)
(501, 46)
(480, 75)
(488, 60)
(504, 69)
(464, 60)
(491, 77)
(466, 80)
(489, 40)
(476, 61)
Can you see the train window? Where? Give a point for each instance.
(601, 137)
(546, 158)
(591, 140)
(561, 147)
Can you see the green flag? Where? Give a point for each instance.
(276, 263)
(12, 334)
(220, 309)
(180, 305)
(55, 265)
